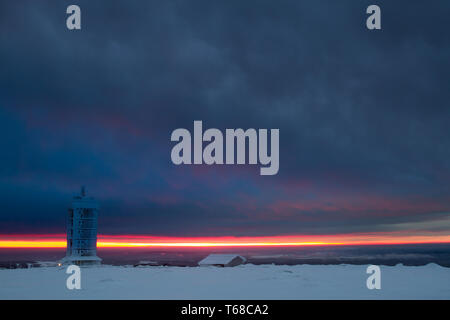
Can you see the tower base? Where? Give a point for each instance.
(82, 260)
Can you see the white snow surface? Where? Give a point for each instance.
(241, 282)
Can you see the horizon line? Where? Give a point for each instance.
(142, 241)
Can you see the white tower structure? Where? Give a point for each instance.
(82, 231)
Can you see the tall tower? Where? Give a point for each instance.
(82, 231)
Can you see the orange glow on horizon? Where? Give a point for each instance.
(141, 241)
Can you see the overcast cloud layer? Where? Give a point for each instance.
(363, 115)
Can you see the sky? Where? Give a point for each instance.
(363, 116)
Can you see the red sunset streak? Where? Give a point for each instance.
(141, 241)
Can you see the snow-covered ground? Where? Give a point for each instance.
(242, 282)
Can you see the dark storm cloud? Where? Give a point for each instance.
(363, 115)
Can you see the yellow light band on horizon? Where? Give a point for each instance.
(211, 244)
(62, 244)
(32, 244)
(127, 244)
